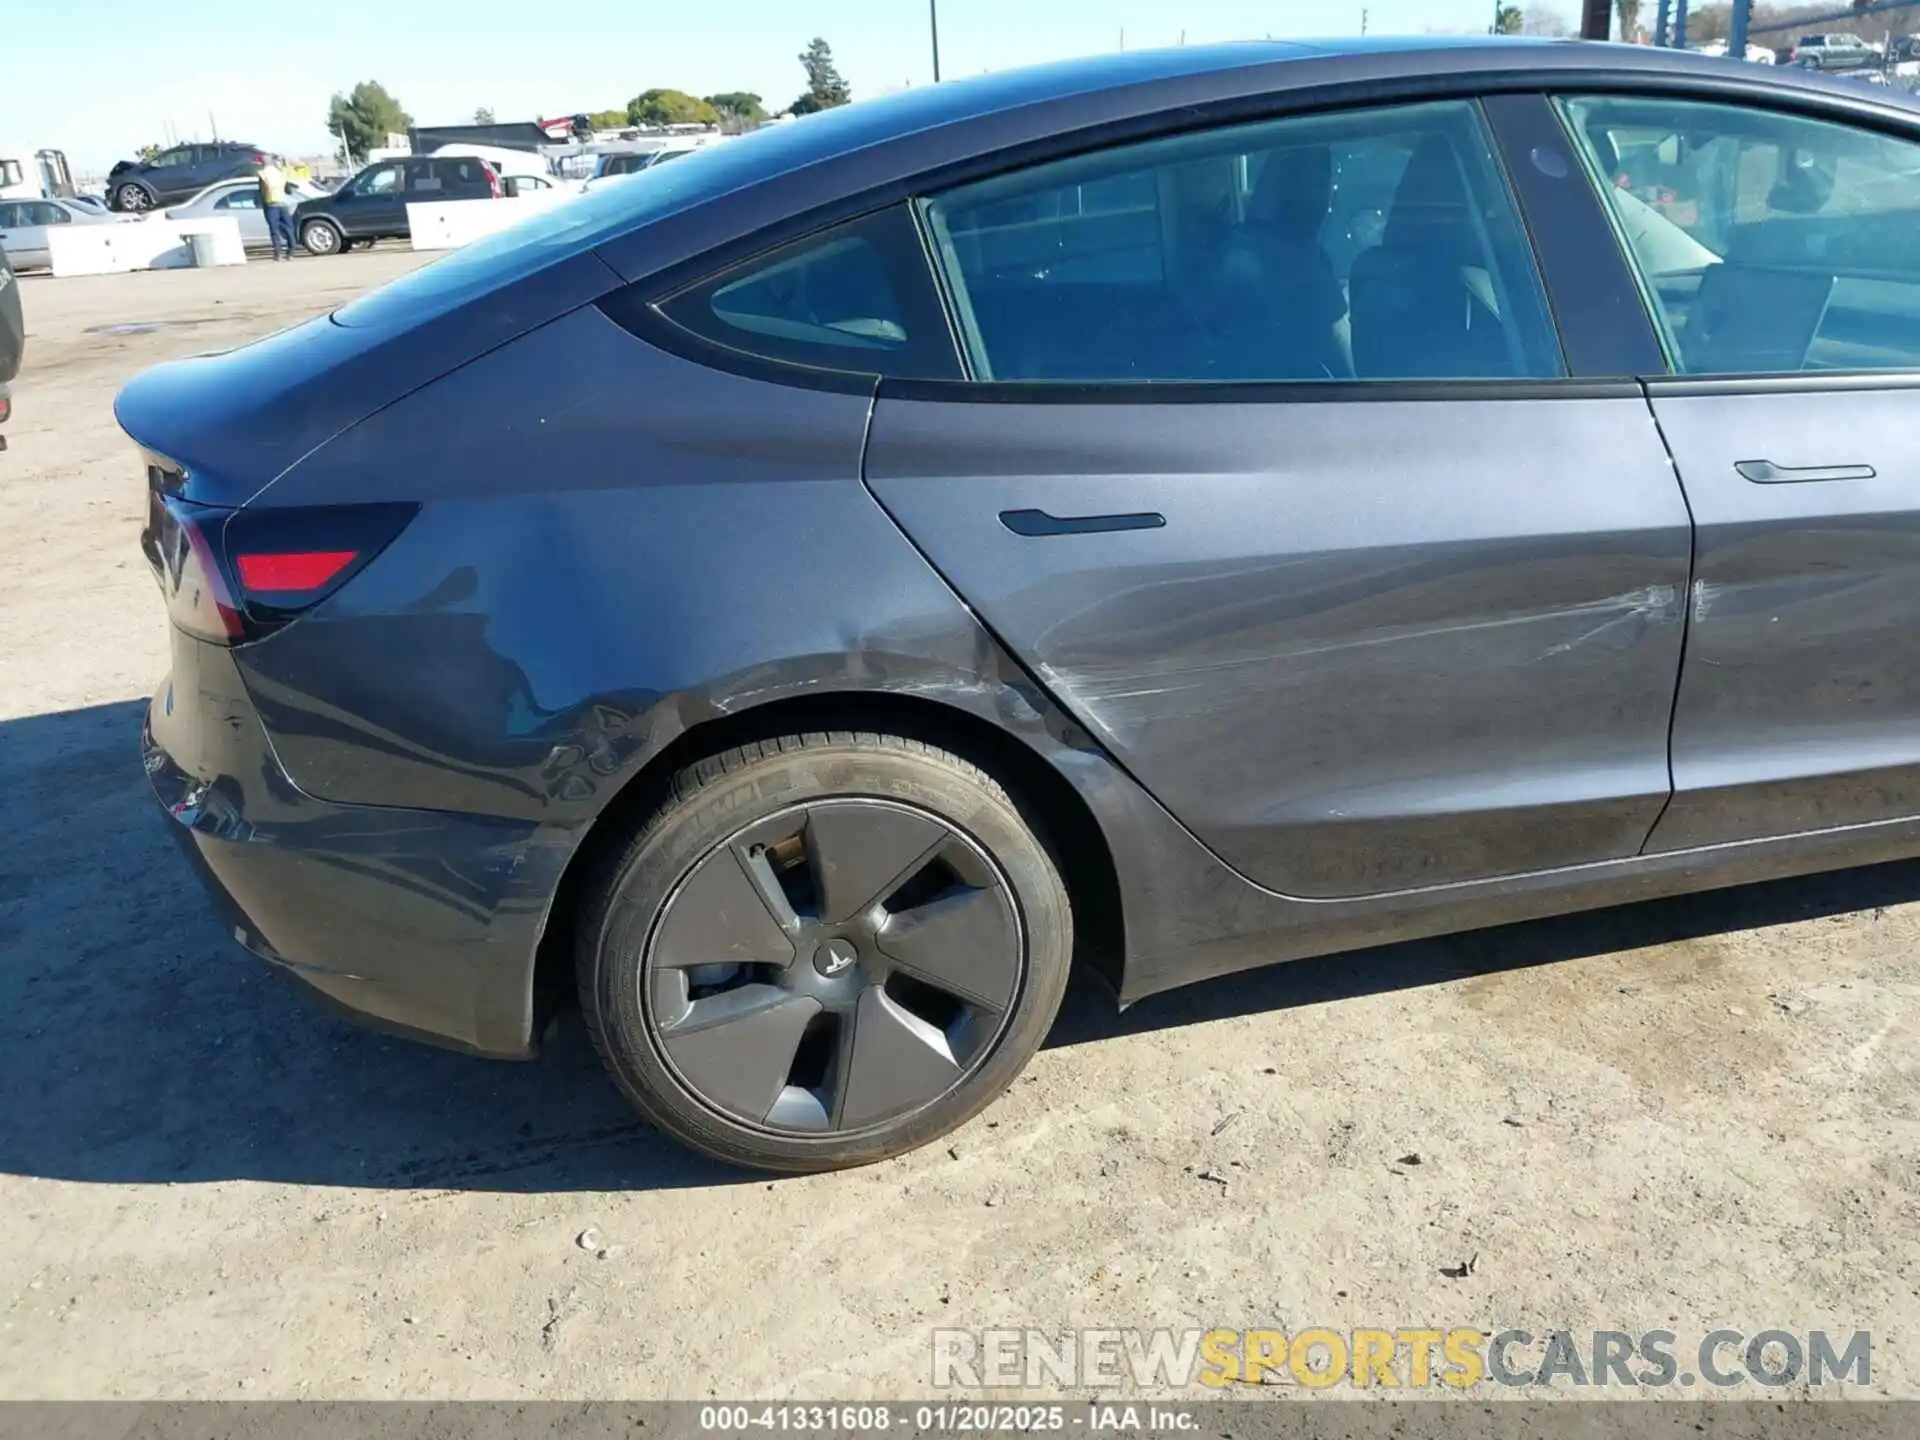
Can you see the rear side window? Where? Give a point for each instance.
(858, 297)
(1374, 245)
(1764, 242)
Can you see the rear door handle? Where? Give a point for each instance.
(1765, 472)
(1036, 523)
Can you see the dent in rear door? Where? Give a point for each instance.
(1374, 645)
(1417, 630)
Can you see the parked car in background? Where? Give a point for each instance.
(24, 225)
(626, 162)
(90, 202)
(1838, 51)
(373, 204)
(631, 162)
(614, 168)
(240, 199)
(13, 340)
(1756, 54)
(517, 185)
(178, 172)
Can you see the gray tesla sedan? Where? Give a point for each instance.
(1174, 512)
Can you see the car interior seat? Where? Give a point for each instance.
(1285, 306)
(1422, 301)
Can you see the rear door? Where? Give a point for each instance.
(173, 175)
(1271, 468)
(458, 177)
(242, 204)
(1779, 256)
(23, 230)
(9, 225)
(374, 204)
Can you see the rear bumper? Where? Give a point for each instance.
(422, 922)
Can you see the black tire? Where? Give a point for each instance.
(130, 197)
(322, 237)
(887, 783)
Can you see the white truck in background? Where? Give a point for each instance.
(34, 174)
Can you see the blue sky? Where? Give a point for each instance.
(98, 77)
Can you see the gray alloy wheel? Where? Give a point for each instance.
(825, 950)
(322, 237)
(131, 198)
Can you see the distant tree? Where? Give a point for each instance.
(363, 119)
(483, 116)
(147, 154)
(1709, 22)
(1507, 20)
(739, 105)
(1628, 12)
(670, 107)
(608, 119)
(825, 89)
(1544, 20)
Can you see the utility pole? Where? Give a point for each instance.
(1737, 30)
(1363, 19)
(1661, 17)
(933, 19)
(1679, 24)
(1596, 20)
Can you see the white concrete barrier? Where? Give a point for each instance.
(449, 224)
(155, 244)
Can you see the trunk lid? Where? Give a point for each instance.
(225, 426)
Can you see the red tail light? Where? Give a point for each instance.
(295, 573)
(259, 159)
(230, 576)
(493, 179)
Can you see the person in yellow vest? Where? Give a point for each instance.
(273, 203)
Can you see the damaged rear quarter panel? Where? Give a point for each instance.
(605, 555)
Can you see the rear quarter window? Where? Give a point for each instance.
(856, 298)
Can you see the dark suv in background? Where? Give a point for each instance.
(179, 172)
(373, 204)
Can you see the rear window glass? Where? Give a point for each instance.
(1363, 245)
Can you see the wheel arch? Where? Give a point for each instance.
(1058, 812)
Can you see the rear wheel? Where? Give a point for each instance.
(322, 237)
(823, 950)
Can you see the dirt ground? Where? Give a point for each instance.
(1687, 1115)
